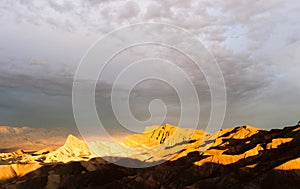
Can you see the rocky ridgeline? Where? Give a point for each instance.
(241, 157)
(167, 134)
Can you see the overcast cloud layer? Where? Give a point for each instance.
(256, 44)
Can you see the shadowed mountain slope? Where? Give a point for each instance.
(241, 157)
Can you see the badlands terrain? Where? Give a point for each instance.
(162, 157)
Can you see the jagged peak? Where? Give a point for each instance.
(249, 128)
(159, 127)
(238, 132)
(73, 140)
(155, 135)
(73, 149)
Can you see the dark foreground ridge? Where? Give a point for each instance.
(270, 159)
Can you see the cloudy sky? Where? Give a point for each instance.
(256, 44)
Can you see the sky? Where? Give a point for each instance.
(256, 45)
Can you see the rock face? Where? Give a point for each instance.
(241, 157)
(20, 163)
(156, 135)
(73, 150)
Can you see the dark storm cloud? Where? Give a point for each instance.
(255, 44)
(34, 76)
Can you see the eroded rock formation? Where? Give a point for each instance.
(241, 157)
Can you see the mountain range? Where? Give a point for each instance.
(163, 157)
